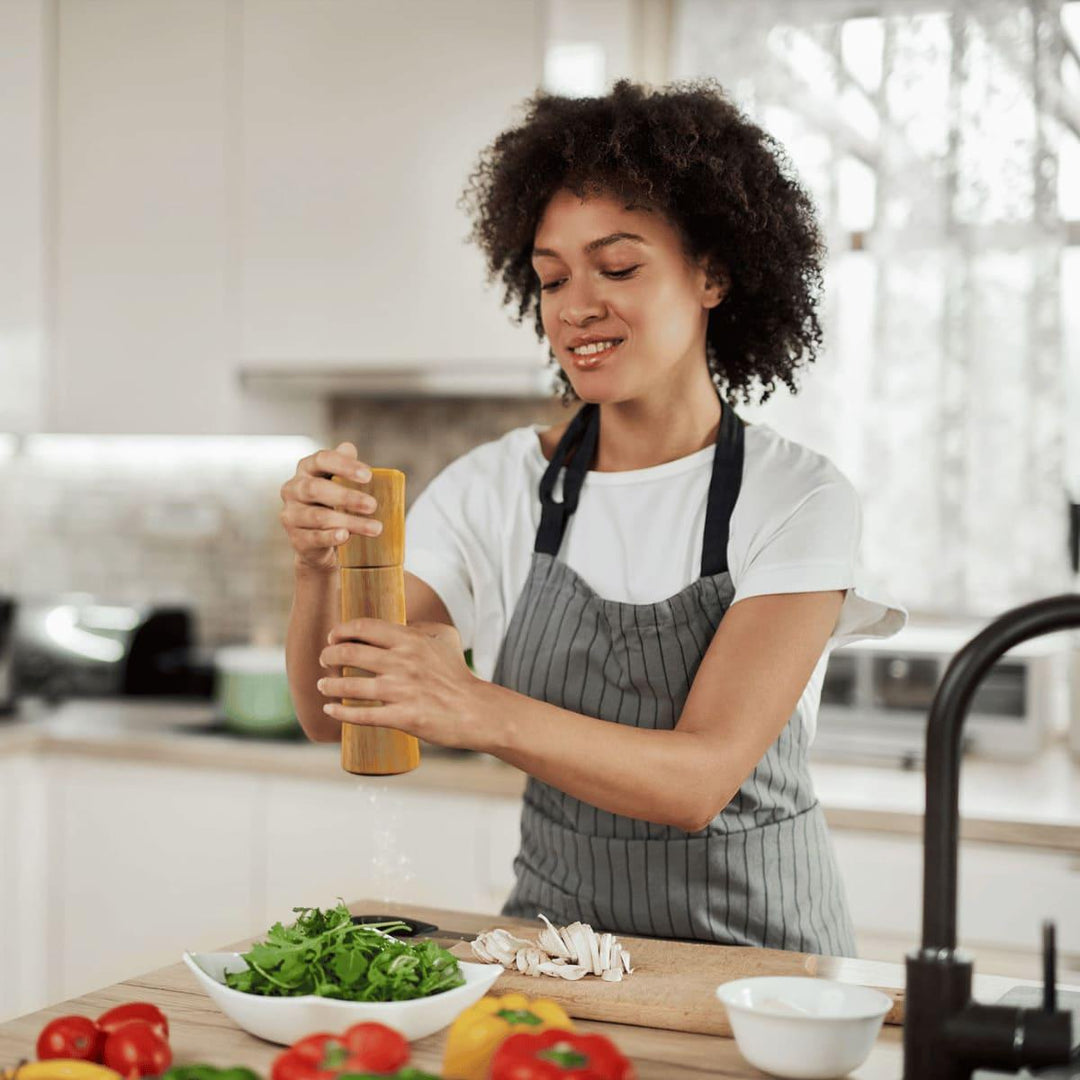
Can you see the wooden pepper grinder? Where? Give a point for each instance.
(372, 576)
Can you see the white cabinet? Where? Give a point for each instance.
(361, 122)
(24, 896)
(1004, 891)
(112, 868)
(147, 861)
(246, 188)
(145, 327)
(25, 160)
(504, 839)
(373, 839)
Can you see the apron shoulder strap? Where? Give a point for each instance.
(723, 491)
(580, 440)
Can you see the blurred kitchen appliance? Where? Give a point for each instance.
(7, 688)
(252, 691)
(78, 645)
(877, 692)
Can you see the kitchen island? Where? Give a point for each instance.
(252, 816)
(200, 1033)
(1032, 804)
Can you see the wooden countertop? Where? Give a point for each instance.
(200, 1033)
(1034, 803)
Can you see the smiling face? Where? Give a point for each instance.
(643, 291)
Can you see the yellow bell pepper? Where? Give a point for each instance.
(477, 1032)
(59, 1069)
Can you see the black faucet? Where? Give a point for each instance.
(946, 1034)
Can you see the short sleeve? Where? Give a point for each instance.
(812, 547)
(441, 546)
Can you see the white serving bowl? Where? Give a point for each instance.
(286, 1019)
(802, 1027)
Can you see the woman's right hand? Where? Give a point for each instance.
(320, 515)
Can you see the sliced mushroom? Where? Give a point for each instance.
(551, 941)
(564, 971)
(565, 952)
(568, 942)
(605, 951)
(480, 952)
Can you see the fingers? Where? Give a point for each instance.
(302, 515)
(373, 631)
(386, 716)
(362, 657)
(307, 540)
(319, 515)
(354, 688)
(341, 461)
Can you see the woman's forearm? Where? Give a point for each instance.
(315, 611)
(636, 772)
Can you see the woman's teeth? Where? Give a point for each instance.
(588, 355)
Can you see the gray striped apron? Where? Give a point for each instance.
(763, 872)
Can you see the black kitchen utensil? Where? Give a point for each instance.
(415, 925)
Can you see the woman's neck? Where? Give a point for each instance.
(646, 432)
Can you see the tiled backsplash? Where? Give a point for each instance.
(421, 436)
(195, 520)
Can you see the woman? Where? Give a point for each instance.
(652, 588)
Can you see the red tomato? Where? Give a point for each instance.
(375, 1047)
(134, 1010)
(320, 1056)
(136, 1050)
(71, 1037)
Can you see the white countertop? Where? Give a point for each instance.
(1033, 803)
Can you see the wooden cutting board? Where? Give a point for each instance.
(673, 985)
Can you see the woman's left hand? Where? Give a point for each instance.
(419, 673)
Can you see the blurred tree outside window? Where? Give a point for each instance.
(941, 144)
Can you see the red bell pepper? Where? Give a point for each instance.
(559, 1055)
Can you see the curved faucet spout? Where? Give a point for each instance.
(947, 714)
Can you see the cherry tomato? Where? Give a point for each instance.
(134, 1010)
(136, 1050)
(374, 1047)
(76, 1037)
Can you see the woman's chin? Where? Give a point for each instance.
(595, 387)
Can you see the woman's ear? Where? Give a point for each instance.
(717, 281)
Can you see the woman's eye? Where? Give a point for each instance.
(608, 273)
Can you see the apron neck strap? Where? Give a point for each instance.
(580, 440)
(723, 491)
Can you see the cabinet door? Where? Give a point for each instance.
(361, 123)
(1004, 890)
(26, 128)
(370, 839)
(25, 828)
(504, 830)
(145, 310)
(148, 861)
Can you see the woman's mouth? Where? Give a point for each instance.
(591, 360)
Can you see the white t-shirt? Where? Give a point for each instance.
(636, 536)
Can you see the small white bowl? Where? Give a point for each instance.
(802, 1027)
(286, 1019)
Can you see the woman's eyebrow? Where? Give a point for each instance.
(592, 245)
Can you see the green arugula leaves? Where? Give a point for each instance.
(324, 953)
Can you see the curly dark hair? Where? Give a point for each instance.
(725, 184)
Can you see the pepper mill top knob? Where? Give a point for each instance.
(387, 487)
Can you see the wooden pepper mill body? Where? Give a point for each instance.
(372, 577)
